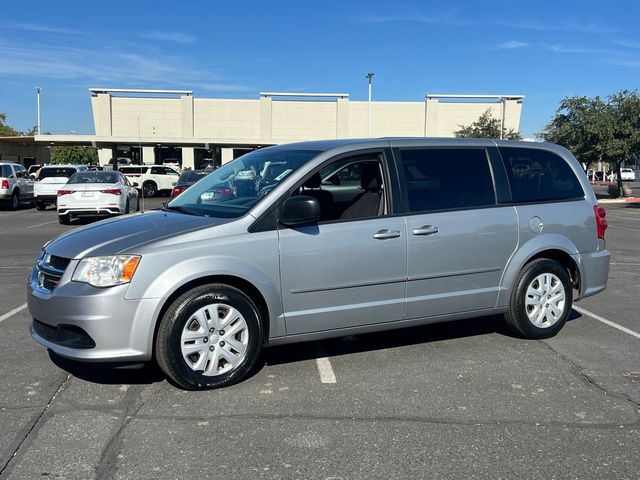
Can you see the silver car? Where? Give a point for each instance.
(347, 236)
(15, 185)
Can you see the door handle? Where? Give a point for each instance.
(384, 234)
(425, 230)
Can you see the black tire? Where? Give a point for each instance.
(127, 210)
(516, 317)
(41, 206)
(149, 189)
(168, 340)
(64, 219)
(14, 201)
(138, 204)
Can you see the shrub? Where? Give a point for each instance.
(614, 191)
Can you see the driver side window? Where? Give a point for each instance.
(349, 188)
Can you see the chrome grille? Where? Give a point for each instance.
(50, 271)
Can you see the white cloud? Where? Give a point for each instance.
(176, 37)
(410, 15)
(35, 27)
(628, 44)
(571, 25)
(115, 66)
(512, 44)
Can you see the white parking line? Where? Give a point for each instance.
(622, 217)
(41, 224)
(607, 322)
(13, 312)
(326, 371)
(13, 213)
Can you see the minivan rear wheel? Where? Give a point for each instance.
(210, 337)
(541, 300)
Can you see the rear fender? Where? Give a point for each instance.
(525, 252)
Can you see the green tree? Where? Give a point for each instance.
(73, 154)
(486, 127)
(6, 130)
(598, 130)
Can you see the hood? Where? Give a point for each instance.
(117, 235)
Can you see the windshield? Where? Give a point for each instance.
(231, 190)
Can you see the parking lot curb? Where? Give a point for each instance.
(619, 200)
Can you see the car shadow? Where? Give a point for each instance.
(149, 373)
(108, 374)
(424, 334)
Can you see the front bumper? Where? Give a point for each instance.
(122, 330)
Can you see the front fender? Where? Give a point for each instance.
(163, 285)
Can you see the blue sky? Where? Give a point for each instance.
(544, 50)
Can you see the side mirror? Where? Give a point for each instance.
(300, 210)
(32, 176)
(173, 184)
(135, 184)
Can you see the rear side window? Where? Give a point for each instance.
(538, 175)
(447, 178)
(5, 171)
(133, 170)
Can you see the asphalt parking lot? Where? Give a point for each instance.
(458, 400)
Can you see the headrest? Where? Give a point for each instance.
(314, 181)
(371, 178)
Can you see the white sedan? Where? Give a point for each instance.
(89, 194)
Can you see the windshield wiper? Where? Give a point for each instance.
(176, 208)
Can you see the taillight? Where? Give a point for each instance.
(177, 191)
(112, 191)
(224, 192)
(601, 223)
(64, 192)
(5, 184)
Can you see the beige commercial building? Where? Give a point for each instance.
(166, 126)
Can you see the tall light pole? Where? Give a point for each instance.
(369, 76)
(38, 90)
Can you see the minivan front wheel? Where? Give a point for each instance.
(210, 337)
(541, 300)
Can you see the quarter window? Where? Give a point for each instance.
(539, 175)
(447, 178)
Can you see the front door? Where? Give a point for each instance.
(350, 270)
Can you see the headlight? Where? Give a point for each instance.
(106, 271)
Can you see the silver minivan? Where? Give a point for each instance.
(323, 239)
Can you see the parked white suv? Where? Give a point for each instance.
(15, 185)
(628, 174)
(49, 180)
(151, 179)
